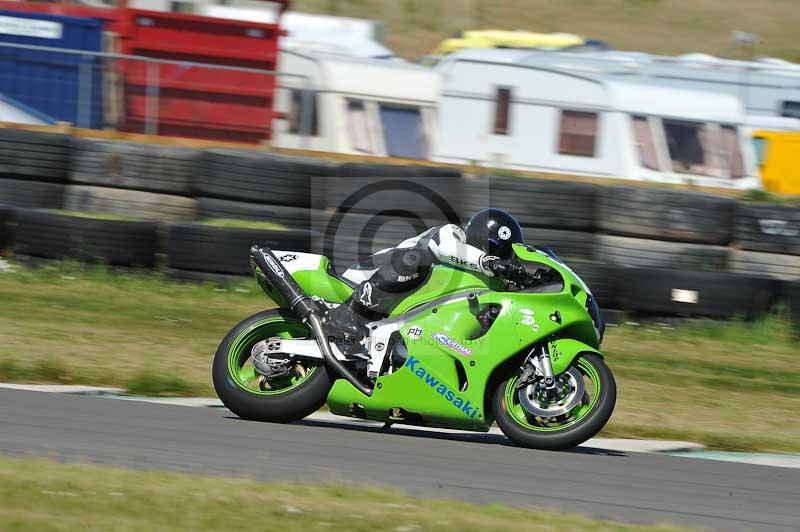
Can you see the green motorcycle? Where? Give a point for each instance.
(462, 351)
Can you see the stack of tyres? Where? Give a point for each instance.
(33, 168)
(415, 192)
(655, 228)
(767, 238)
(559, 215)
(49, 235)
(696, 293)
(287, 216)
(535, 203)
(6, 214)
(265, 187)
(202, 251)
(348, 238)
(603, 280)
(373, 206)
(133, 166)
(144, 181)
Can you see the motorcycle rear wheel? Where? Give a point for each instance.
(246, 393)
(566, 431)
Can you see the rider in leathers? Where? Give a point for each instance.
(386, 277)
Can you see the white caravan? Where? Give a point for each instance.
(344, 104)
(768, 86)
(499, 110)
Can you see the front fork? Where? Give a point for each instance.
(538, 367)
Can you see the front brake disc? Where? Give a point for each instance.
(533, 397)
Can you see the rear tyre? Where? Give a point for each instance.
(566, 431)
(246, 394)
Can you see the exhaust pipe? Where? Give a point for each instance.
(304, 307)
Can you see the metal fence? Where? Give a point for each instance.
(142, 94)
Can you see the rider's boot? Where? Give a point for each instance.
(345, 326)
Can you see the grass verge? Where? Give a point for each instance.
(45, 495)
(243, 224)
(414, 27)
(93, 215)
(732, 386)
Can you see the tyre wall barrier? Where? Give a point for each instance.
(534, 202)
(346, 238)
(48, 235)
(348, 251)
(6, 218)
(767, 228)
(433, 198)
(642, 253)
(566, 244)
(34, 155)
(31, 194)
(786, 267)
(670, 215)
(291, 217)
(393, 170)
(603, 280)
(597, 229)
(204, 248)
(693, 293)
(258, 177)
(135, 166)
(129, 203)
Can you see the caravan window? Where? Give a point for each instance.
(645, 143)
(689, 147)
(403, 132)
(790, 109)
(358, 122)
(502, 109)
(731, 152)
(578, 133)
(299, 98)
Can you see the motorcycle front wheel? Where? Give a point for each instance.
(524, 414)
(248, 394)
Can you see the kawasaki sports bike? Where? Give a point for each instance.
(462, 351)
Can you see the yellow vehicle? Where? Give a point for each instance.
(778, 155)
(506, 39)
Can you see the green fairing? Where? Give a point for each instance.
(424, 389)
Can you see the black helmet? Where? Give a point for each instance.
(493, 231)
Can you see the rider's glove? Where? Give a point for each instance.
(510, 271)
(487, 264)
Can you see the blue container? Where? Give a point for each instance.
(65, 86)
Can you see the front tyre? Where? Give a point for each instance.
(523, 418)
(249, 395)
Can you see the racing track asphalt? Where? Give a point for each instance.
(480, 468)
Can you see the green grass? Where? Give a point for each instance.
(92, 215)
(732, 385)
(763, 196)
(243, 224)
(45, 495)
(77, 324)
(414, 27)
